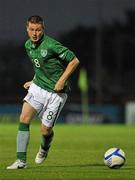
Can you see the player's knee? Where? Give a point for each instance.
(25, 118)
(45, 130)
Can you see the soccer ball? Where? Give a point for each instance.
(114, 158)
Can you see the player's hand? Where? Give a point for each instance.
(59, 86)
(27, 84)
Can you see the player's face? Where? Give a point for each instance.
(35, 31)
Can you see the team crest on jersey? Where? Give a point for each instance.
(43, 52)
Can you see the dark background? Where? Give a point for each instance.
(100, 32)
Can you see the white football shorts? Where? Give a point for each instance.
(47, 104)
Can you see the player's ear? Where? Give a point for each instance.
(27, 27)
(27, 24)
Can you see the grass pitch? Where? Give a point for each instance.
(76, 153)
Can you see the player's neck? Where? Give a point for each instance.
(34, 44)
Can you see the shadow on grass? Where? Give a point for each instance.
(78, 165)
(67, 166)
(96, 165)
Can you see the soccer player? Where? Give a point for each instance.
(47, 92)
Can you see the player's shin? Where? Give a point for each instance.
(22, 141)
(46, 141)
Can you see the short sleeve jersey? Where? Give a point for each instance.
(49, 58)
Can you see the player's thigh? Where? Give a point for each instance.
(53, 110)
(27, 113)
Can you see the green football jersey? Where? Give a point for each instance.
(49, 59)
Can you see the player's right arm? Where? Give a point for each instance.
(67, 73)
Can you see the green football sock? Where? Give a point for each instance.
(22, 141)
(46, 141)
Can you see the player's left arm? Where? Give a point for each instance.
(72, 65)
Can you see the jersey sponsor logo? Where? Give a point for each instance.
(43, 52)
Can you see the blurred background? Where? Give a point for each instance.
(102, 35)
